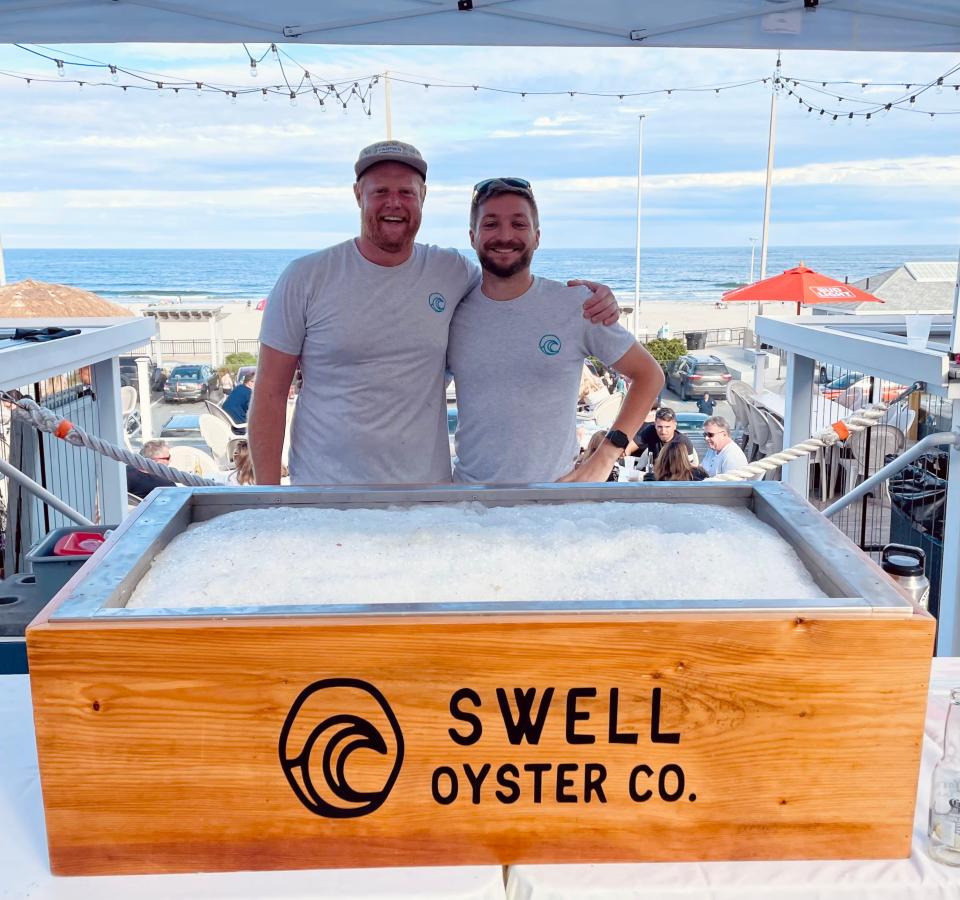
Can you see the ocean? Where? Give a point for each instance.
(688, 273)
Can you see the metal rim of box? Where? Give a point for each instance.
(851, 580)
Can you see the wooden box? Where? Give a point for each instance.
(260, 738)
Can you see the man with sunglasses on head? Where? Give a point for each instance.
(517, 346)
(654, 435)
(367, 320)
(723, 453)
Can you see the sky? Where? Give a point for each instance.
(99, 167)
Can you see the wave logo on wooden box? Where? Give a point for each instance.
(328, 722)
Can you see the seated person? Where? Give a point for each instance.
(242, 471)
(661, 431)
(724, 454)
(238, 403)
(595, 442)
(517, 347)
(673, 464)
(592, 390)
(141, 483)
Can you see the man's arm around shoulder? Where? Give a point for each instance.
(268, 412)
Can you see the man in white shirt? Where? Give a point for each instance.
(723, 454)
(517, 346)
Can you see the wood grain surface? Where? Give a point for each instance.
(172, 746)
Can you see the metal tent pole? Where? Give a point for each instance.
(636, 284)
(768, 188)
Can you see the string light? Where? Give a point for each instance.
(793, 86)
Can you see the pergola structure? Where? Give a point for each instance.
(213, 315)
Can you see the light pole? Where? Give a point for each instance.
(768, 187)
(636, 284)
(753, 249)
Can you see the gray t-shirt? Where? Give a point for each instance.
(517, 365)
(372, 342)
(729, 458)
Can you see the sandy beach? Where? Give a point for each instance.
(241, 323)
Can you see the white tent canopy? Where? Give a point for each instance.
(915, 25)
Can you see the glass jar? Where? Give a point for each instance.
(944, 823)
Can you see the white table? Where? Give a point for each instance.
(916, 878)
(24, 871)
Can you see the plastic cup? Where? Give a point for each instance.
(918, 331)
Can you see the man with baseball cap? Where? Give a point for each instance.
(367, 320)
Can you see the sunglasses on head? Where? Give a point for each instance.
(481, 187)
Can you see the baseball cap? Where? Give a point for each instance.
(390, 151)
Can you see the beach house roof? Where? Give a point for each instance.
(933, 25)
(38, 300)
(911, 287)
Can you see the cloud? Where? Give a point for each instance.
(909, 172)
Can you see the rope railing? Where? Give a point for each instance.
(863, 418)
(48, 421)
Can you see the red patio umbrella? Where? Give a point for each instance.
(802, 286)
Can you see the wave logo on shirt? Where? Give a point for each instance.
(437, 302)
(341, 748)
(550, 344)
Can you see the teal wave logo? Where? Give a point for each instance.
(437, 302)
(550, 344)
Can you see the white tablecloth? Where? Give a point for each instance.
(25, 873)
(916, 878)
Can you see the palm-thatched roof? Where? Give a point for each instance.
(38, 300)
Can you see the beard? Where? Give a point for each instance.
(489, 263)
(392, 238)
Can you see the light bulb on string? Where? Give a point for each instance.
(850, 119)
(80, 84)
(833, 121)
(293, 98)
(867, 120)
(940, 85)
(233, 98)
(113, 74)
(60, 70)
(273, 50)
(264, 92)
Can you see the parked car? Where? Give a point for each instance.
(191, 382)
(697, 374)
(129, 374)
(853, 389)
